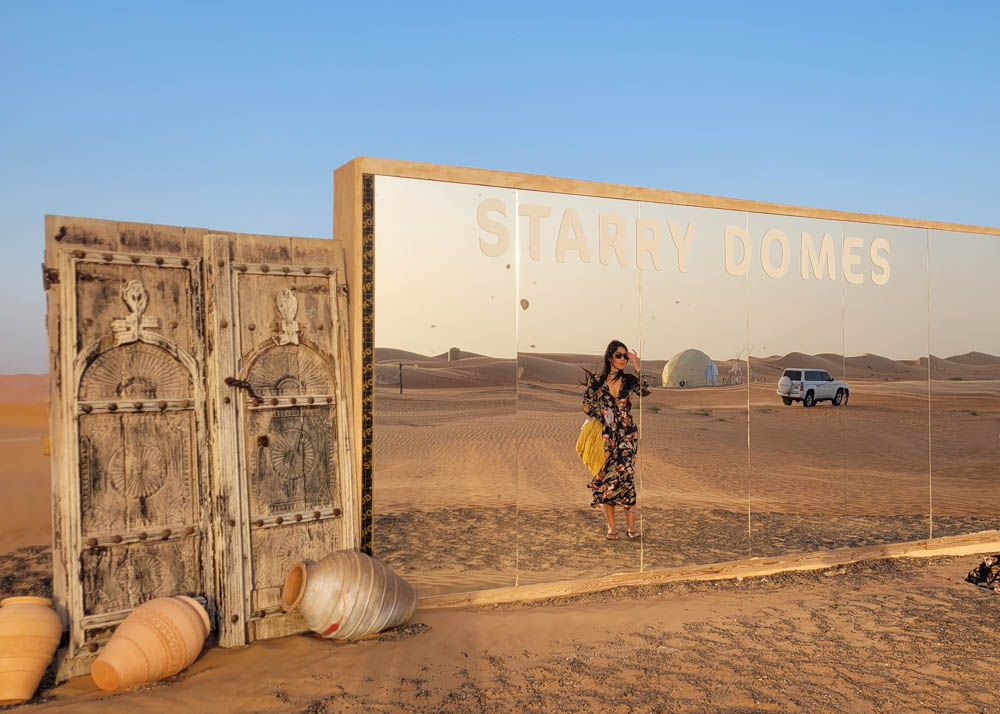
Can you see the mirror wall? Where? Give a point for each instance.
(492, 305)
(444, 439)
(798, 491)
(964, 386)
(694, 466)
(885, 338)
(577, 289)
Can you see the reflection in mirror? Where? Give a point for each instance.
(577, 291)
(693, 450)
(444, 475)
(885, 340)
(798, 394)
(964, 373)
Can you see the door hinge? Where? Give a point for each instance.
(50, 276)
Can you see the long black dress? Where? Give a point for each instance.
(615, 484)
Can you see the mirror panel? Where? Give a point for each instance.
(885, 340)
(444, 427)
(577, 289)
(798, 487)
(693, 450)
(491, 303)
(965, 381)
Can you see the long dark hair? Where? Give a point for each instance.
(612, 347)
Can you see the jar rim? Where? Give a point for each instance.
(25, 600)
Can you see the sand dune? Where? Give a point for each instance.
(831, 363)
(540, 369)
(421, 375)
(975, 359)
(390, 354)
(24, 388)
(423, 372)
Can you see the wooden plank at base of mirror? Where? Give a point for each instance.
(985, 542)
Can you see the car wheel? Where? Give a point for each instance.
(847, 395)
(787, 401)
(810, 399)
(839, 398)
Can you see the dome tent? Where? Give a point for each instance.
(690, 368)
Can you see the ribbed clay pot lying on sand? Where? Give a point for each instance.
(348, 594)
(29, 634)
(158, 639)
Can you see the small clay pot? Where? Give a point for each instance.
(158, 639)
(348, 594)
(29, 634)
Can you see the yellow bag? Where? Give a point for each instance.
(590, 445)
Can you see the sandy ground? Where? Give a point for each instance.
(477, 486)
(24, 469)
(480, 486)
(891, 635)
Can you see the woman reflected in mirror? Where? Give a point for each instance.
(609, 399)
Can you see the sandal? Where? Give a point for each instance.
(633, 535)
(612, 535)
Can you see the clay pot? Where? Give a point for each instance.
(348, 594)
(29, 634)
(158, 639)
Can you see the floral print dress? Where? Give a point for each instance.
(615, 484)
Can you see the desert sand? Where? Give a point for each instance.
(477, 486)
(24, 468)
(901, 635)
(477, 483)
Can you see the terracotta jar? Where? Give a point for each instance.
(158, 639)
(348, 594)
(29, 634)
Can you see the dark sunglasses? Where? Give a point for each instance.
(620, 355)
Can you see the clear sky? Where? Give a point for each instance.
(233, 116)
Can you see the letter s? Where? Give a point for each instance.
(877, 245)
(497, 249)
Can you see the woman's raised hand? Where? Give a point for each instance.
(634, 359)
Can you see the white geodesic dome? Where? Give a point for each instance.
(690, 368)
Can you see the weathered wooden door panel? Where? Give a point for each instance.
(130, 507)
(276, 549)
(291, 460)
(134, 471)
(283, 363)
(125, 576)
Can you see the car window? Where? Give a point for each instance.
(827, 377)
(793, 374)
(813, 375)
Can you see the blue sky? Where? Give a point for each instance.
(234, 116)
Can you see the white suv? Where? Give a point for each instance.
(810, 386)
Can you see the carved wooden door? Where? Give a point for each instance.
(199, 425)
(131, 515)
(277, 390)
